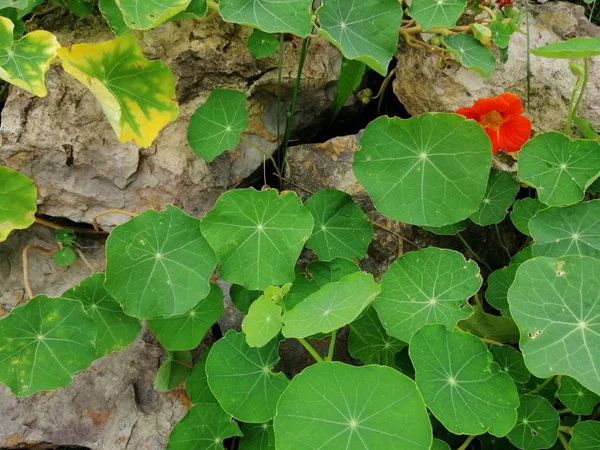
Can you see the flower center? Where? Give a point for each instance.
(492, 120)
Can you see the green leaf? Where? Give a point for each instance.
(573, 230)
(366, 31)
(80, 8)
(350, 77)
(64, 257)
(13, 15)
(586, 128)
(461, 384)
(114, 17)
(145, 15)
(115, 329)
(18, 202)
(263, 322)
(431, 285)
(325, 272)
(216, 126)
(511, 362)
(137, 95)
(437, 14)
(537, 424)
(270, 16)
(185, 332)
(449, 230)
(31, 5)
(65, 237)
(196, 9)
(523, 211)
(158, 264)
(336, 406)
(586, 436)
(499, 196)
(257, 236)
(554, 302)
(559, 168)
(204, 427)
(341, 228)
(242, 298)
(403, 363)
(331, 307)
(257, 436)
(196, 384)
(499, 282)
(497, 328)
(470, 53)
(501, 33)
(583, 47)
(242, 379)
(17, 4)
(522, 256)
(24, 62)
(172, 372)
(369, 342)
(489, 442)
(540, 387)
(44, 343)
(261, 44)
(439, 445)
(575, 397)
(429, 170)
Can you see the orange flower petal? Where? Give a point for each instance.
(514, 132)
(468, 113)
(514, 108)
(486, 105)
(493, 135)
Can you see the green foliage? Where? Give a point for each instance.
(437, 14)
(583, 47)
(261, 44)
(18, 202)
(499, 282)
(144, 15)
(173, 371)
(586, 436)
(350, 77)
(263, 321)
(575, 397)
(523, 211)
(111, 12)
(510, 362)
(257, 436)
(537, 424)
(499, 196)
(471, 53)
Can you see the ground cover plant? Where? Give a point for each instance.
(454, 355)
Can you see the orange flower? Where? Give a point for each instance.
(501, 118)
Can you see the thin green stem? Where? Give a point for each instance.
(565, 429)
(592, 11)
(465, 444)
(478, 301)
(574, 108)
(310, 349)
(501, 241)
(540, 386)
(475, 255)
(528, 55)
(212, 5)
(563, 411)
(331, 346)
(279, 78)
(263, 151)
(563, 441)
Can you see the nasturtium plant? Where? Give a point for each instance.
(449, 230)
(173, 371)
(500, 194)
(498, 284)
(471, 53)
(242, 298)
(261, 44)
(586, 436)
(574, 396)
(582, 47)
(263, 321)
(537, 424)
(111, 12)
(196, 384)
(144, 15)
(523, 211)
(257, 436)
(511, 362)
(437, 14)
(64, 257)
(18, 202)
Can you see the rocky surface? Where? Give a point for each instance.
(422, 87)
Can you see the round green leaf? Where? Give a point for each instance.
(185, 332)
(331, 307)
(144, 14)
(522, 256)
(325, 272)
(242, 379)
(499, 196)
(366, 31)
(436, 14)
(461, 384)
(555, 303)
(439, 445)
(511, 362)
(575, 397)
(349, 79)
(173, 371)
(114, 17)
(341, 228)
(586, 436)
(429, 170)
(262, 44)
(573, 230)
(204, 427)
(44, 343)
(431, 285)
(158, 264)
(196, 384)
(65, 237)
(484, 325)
(216, 126)
(18, 202)
(471, 53)
(499, 282)
(449, 230)
(257, 236)
(501, 32)
(582, 47)
(559, 168)
(116, 330)
(523, 211)
(336, 406)
(257, 436)
(263, 322)
(196, 9)
(242, 298)
(537, 424)
(64, 257)
(80, 8)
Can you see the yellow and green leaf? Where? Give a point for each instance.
(136, 94)
(18, 202)
(146, 14)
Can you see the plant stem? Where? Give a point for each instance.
(566, 430)
(540, 386)
(85, 260)
(563, 441)
(501, 241)
(48, 251)
(263, 151)
(310, 349)
(528, 61)
(183, 363)
(574, 109)
(475, 255)
(110, 211)
(465, 444)
(592, 11)
(55, 226)
(478, 301)
(563, 411)
(279, 77)
(331, 346)
(212, 5)
(490, 341)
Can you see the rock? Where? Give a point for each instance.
(67, 146)
(422, 87)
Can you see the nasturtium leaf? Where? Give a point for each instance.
(270, 16)
(582, 47)
(350, 77)
(173, 371)
(30, 6)
(366, 31)
(501, 33)
(537, 424)
(369, 342)
(337, 406)
(263, 322)
(185, 332)
(586, 128)
(64, 257)
(559, 168)
(24, 62)
(522, 256)
(257, 436)
(262, 44)
(449, 230)
(196, 9)
(545, 388)
(575, 397)
(572, 230)
(403, 363)
(18, 202)
(497, 328)
(302, 288)
(242, 298)
(489, 442)
(555, 303)
(498, 284)
(331, 307)
(13, 15)
(429, 170)
(439, 445)
(137, 95)
(196, 384)
(145, 15)
(17, 4)
(204, 427)
(471, 53)
(114, 17)
(511, 362)
(341, 228)
(44, 343)
(431, 285)
(586, 436)
(242, 379)
(65, 237)
(257, 236)
(523, 211)
(461, 384)
(325, 272)
(80, 8)
(158, 264)
(216, 126)
(499, 196)
(434, 14)
(115, 329)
